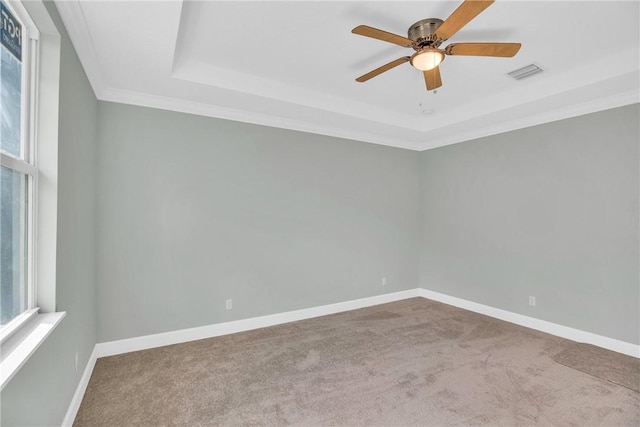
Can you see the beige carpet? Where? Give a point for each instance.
(412, 362)
(607, 365)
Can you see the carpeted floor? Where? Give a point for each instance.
(411, 362)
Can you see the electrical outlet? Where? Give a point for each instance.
(76, 361)
(532, 301)
(384, 281)
(228, 304)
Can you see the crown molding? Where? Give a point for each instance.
(417, 137)
(593, 106)
(209, 110)
(74, 21)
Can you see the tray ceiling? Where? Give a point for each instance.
(293, 64)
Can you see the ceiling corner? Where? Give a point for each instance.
(76, 25)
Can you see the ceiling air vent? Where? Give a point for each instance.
(527, 71)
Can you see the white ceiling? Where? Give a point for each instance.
(292, 64)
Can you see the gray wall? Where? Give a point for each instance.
(195, 210)
(192, 211)
(40, 392)
(549, 211)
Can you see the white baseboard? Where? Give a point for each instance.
(175, 337)
(79, 394)
(184, 335)
(537, 324)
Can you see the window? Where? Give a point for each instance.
(29, 104)
(19, 173)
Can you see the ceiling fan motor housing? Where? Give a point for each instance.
(423, 31)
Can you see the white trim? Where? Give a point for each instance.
(72, 411)
(537, 324)
(16, 323)
(17, 164)
(25, 163)
(32, 156)
(17, 8)
(184, 106)
(112, 348)
(592, 106)
(74, 22)
(424, 137)
(46, 157)
(184, 335)
(141, 99)
(16, 350)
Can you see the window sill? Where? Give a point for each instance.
(16, 349)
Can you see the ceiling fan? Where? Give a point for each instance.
(426, 36)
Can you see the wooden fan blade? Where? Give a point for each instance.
(432, 78)
(365, 30)
(461, 17)
(380, 70)
(483, 49)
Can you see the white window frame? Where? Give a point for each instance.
(29, 330)
(28, 163)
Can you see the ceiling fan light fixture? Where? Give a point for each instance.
(426, 36)
(427, 59)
